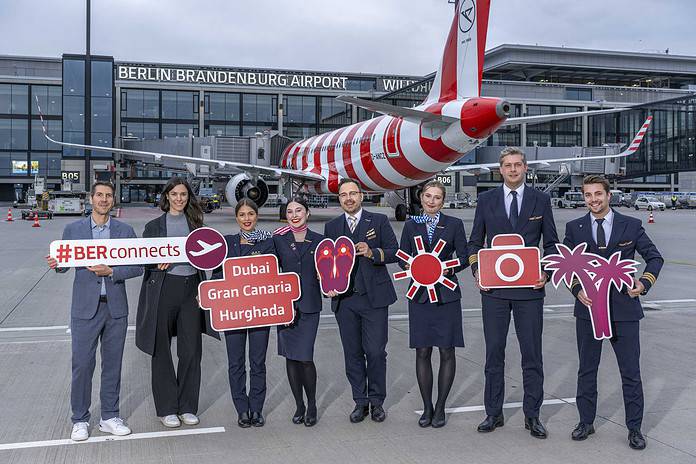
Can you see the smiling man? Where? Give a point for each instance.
(606, 232)
(99, 313)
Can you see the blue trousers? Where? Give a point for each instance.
(529, 323)
(236, 362)
(364, 332)
(626, 345)
(86, 335)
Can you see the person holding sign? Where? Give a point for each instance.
(168, 308)
(249, 405)
(606, 232)
(99, 313)
(513, 208)
(361, 312)
(435, 324)
(295, 246)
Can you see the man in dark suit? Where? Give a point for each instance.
(607, 231)
(99, 313)
(361, 312)
(513, 208)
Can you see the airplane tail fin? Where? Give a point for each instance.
(459, 75)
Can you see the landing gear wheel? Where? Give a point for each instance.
(400, 212)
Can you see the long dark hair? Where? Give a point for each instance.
(246, 202)
(193, 211)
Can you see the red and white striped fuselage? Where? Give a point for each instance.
(388, 153)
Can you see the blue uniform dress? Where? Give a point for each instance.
(437, 324)
(236, 340)
(296, 341)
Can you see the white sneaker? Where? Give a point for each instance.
(189, 419)
(80, 431)
(114, 426)
(171, 421)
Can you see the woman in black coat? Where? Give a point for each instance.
(168, 308)
(435, 324)
(249, 404)
(295, 246)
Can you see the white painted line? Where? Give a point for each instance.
(505, 406)
(670, 301)
(44, 328)
(134, 436)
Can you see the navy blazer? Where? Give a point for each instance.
(382, 241)
(627, 236)
(535, 219)
(299, 258)
(87, 286)
(449, 229)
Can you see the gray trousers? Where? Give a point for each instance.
(86, 334)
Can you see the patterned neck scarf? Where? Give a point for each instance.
(255, 236)
(284, 230)
(430, 223)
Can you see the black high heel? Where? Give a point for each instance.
(299, 416)
(426, 418)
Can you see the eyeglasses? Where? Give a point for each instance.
(353, 194)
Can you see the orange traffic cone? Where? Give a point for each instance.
(36, 220)
(651, 218)
(9, 215)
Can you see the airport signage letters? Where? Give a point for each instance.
(70, 176)
(231, 77)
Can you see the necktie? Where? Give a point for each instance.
(514, 212)
(352, 222)
(601, 238)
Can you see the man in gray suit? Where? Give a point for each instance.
(99, 312)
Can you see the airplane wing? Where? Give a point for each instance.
(242, 167)
(555, 117)
(632, 148)
(396, 111)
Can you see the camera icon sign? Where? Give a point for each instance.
(508, 263)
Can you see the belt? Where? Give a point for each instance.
(102, 298)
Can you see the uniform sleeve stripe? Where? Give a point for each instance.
(473, 259)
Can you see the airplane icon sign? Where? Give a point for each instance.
(206, 248)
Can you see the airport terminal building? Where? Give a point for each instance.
(129, 104)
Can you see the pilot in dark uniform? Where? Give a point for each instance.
(435, 324)
(361, 312)
(513, 208)
(295, 245)
(607, 231)
(249, 405)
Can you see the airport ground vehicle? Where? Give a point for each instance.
(648, 203)
(570, 200)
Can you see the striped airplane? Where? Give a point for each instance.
(402, 147)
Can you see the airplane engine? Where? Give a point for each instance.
(244, 186)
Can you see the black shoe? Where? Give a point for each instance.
(490, 423)
(426, 418)
(257, 419)
(636, 440)
(378, 413)
(243, 420)
(310, 419)
(439, 419)
(582, 431)
(359, 413)
(536, 428)
(299, 416)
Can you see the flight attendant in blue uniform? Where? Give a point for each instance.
(295, 246)
(361, 312)
(607, 231)
(513, 208)
(249, 405)
(435, 324)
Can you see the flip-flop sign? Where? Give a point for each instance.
(334, 261)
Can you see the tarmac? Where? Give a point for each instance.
(35, 380)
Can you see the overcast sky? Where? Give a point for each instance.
(373, 36)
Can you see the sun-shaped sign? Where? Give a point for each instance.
(426, 269)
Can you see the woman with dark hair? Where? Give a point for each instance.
(295, 245)
(435, 324)
(168, 308)
(249, 404)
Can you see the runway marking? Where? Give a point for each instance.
(44, 328)
(505, 406)
(99, 439)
